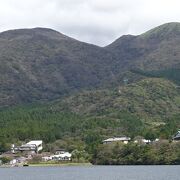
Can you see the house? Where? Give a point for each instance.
(32, 147)
(123, 139)
(177, 136)
(62, 155)
(143, 141)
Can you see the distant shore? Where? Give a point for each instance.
(47, 165)
(59, 164)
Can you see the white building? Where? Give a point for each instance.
(32, 146)
(36, 144)
(124, 140)
(143, 141)
(60, 155)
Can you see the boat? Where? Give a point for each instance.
(25, 165)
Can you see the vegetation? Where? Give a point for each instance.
(42, 64)
(151, 99)
(135, 154)
(149, 108)
(106, 95)
(171, 74)
(157, 49)
(5, 160)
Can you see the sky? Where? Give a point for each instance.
(98, 22)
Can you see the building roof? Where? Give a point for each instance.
(65, 154)
(37, 143)
(117, 139)
(146, 140)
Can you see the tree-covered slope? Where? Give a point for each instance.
(172, 74)
(156, 49)
(83, 93)
(42, 64)
(150, 98)
(150, 106)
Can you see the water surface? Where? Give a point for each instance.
(92, 173)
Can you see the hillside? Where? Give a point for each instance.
(152, 99)
(88, 89)
(156, 49)
(42, 64)
(150, 106)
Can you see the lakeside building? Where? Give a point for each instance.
(60, 155)
(123, 139)
(31, 147)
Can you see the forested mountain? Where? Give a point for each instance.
(156, 49)
(43, 64)
(73, 95)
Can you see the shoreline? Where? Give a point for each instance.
(47, 165)
(77, 164)
(59, 164)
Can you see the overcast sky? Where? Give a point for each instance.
(95, 21)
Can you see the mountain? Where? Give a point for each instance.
(156, 49)
(72, 95)
(42, 64)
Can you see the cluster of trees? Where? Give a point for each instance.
(83, 134)
(171, 74)
(48, 124)
(5, 160)
(136, 154)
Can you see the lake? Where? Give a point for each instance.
(92, 173)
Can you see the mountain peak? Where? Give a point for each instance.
(38, 31)
(168, 29)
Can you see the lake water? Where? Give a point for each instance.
(92, 173)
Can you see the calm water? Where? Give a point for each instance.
(92, 173)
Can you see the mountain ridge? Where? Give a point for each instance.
(42, 64)
(156, 49)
